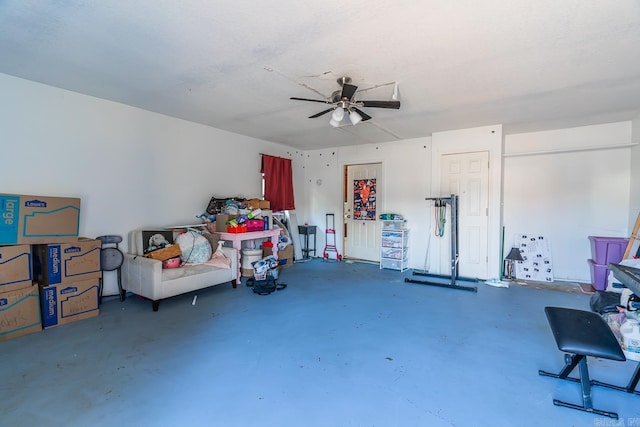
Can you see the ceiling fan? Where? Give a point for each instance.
(343, 103)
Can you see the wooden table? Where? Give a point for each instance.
(236, 240)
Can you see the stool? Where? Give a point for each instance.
(581, 333)
(111, 258)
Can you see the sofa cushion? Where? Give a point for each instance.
(192, 270)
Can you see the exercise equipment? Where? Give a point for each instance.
(454, 277)
(582, 333)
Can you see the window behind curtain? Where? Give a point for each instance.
(278, 182)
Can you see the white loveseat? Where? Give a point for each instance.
(146, 277)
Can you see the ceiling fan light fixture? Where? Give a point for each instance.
(355, 117)
(338, 114)
(333, 122)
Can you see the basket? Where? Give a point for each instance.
(238, 229)
(261, 276)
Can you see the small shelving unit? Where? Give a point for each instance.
(394, 254)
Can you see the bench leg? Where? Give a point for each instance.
(572, 361)
(630, 388)
(585, 385)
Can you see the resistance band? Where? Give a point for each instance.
(440, 214)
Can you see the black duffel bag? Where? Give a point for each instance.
(265, 286)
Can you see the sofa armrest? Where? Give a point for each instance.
(137, 271)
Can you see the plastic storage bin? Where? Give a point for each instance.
(394, 224)
(606, 250)
(394, 264)
(395, 253)
(599, 274)
(394, 239)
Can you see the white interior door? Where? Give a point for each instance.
(467, 175)
(363, 206)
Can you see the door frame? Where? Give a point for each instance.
(485, 138)
(380, 201)
(484, 265)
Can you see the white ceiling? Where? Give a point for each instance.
(530, 65)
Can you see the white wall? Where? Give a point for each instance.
(134, 168)
(130, 167)
(406, 177)
(567, 185)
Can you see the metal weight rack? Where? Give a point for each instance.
(454, 277)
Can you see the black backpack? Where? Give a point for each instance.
(266, 286)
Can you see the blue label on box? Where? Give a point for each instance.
(3, 301)
(69, 290)
(10, 211)
(35, 203)
(49, 307)
(54, 264)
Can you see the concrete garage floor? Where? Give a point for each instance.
(343, 345)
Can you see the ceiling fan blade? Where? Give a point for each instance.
(312, 100)
(381, 104)
(321, 113)
(364, 115)
(348, 91)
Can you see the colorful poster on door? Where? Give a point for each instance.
(364, 199)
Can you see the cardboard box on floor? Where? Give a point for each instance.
(19, 312)
(38, 219)
(58, 263)
(66, 303)
(16, 267)
(285, 256)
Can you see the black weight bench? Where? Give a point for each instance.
(583, 333)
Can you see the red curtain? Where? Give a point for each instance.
(278, 182)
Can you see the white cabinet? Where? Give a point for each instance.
(394, 253)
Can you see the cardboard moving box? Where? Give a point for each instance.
(258, 204)
(285, 257)
(168, 252)
(16, 267)
(68, 262)
(221, 222)
(38, 219)
(66, 303)
(19, 313)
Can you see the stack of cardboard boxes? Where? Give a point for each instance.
(48, 275)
